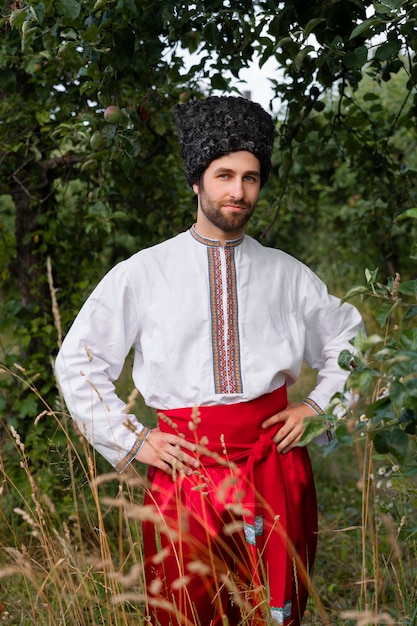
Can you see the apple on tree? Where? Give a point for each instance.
(113, 114)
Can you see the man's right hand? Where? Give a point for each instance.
(168, 453)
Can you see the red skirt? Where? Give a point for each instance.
(238, 537)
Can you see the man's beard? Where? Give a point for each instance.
(229, 220)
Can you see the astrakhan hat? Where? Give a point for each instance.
(218, 125)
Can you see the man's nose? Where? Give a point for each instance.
(237, 189)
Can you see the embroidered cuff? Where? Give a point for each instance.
(313, 405)
(134, 451)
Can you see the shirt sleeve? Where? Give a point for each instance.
(330, 328)
(91, 359)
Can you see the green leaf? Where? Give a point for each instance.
(345, 359)
(362, 379)
(218, 82)
(409, 288)
(70, 33)
(364, 342)
(356, 59)
(131, 145)
(128, 166)
(412, 311)
(354, 291)
(28, 36)
(315, 427)
(394, 4)
(408, 339)
(68, 8)
(100, 4)
(410, 401)
(410, 429)
(343, 436)
(398, 443)
(383, 312)
(17, 17)
(284, 41)
(299, 59)
(369, 97)
(387, 5)
(381, 442)
(332, 446)
(211, 33)
(319, 105)
(371, 275)
(28, 407)
(398, 393)
(311, 25)
(96, 141)
(408, 416)
(369, 341)
(407, 214)
(380, 409)
(388, 50)
(365, 28)
(39, 12)
(43, 117)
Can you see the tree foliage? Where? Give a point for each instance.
(84, 192)
(346, 159)
(382, 373)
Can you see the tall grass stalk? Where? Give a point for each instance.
(71, 546)
(76, 557)
(81, 563)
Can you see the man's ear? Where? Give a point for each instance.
(196, 188)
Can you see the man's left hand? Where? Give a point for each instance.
(293, 425)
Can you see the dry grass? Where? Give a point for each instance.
(75, 557)
(71, 547)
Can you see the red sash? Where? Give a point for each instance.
(247, 480)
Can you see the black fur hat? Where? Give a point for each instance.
(218, 125)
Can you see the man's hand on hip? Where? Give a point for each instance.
(168, 453)
(292, 428)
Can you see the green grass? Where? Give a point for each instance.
(70, 551)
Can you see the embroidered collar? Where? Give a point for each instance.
(232, 243)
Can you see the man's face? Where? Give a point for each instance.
(228, 192)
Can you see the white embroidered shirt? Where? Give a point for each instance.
(209, 324)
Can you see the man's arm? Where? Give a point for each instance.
(90, 360)
(329, 329)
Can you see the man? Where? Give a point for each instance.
(220, 325)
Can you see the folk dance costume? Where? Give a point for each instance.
(224, 328)
(211, 326)
(242, 479)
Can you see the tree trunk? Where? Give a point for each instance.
(29, 268)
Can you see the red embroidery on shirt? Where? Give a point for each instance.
(225, 328)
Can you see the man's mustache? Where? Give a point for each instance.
(237, 203)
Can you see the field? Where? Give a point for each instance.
(70, 547)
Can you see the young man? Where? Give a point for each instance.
(218, 322)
